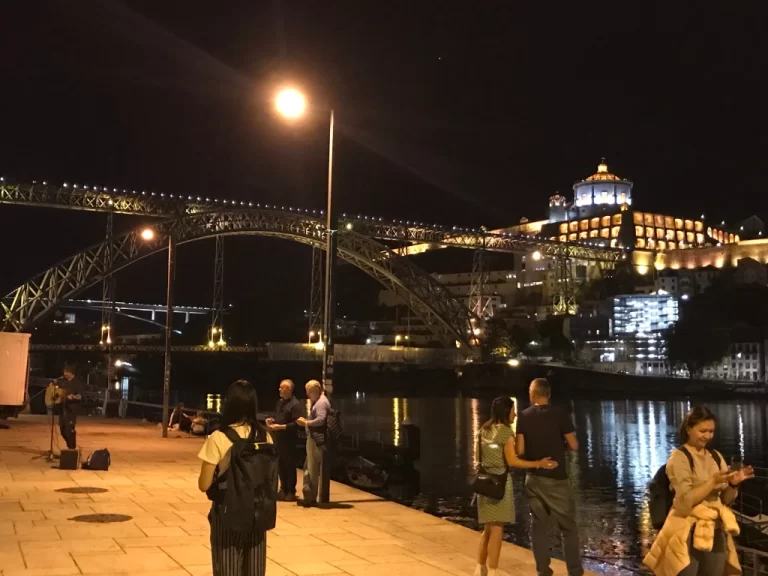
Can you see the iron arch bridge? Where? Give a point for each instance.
(448, 318)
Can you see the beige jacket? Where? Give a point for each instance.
(669, 554)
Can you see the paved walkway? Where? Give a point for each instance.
(164, 532)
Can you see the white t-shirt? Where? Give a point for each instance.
(217, 447)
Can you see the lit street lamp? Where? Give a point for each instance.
(148, 234)
(291, 104)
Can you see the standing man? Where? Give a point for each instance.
(284, 429)
(70, 406)
(316, 436)
(545, 431)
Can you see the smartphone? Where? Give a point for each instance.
(736, 463)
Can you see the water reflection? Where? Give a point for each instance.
(213, 402)
(622, 444)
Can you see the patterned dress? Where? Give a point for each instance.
(492, 443)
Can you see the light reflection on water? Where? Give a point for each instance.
(621, 445)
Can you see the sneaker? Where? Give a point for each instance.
(305, 503)
(481, 570)
(281, 496)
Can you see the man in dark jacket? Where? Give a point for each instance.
(284, 430)
(70, 406)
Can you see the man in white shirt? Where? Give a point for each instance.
(316, 437)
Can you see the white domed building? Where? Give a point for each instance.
(601, 192)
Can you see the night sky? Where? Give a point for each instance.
(457, 113)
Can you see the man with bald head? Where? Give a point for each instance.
(546, 431)
(284, 430)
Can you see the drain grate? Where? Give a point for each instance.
(102, 518)
(82, 490)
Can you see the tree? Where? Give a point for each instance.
(497, 342)
(700, 337)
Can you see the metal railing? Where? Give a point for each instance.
(753, 562)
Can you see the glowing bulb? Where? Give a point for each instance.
(291, 103)
(537, 255)
(147, 234)
(513, 362)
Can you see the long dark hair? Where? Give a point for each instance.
(500, 409)
(695, 415)
(241, 406)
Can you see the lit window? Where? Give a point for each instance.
(689, 225)
(605, 221)
(563, 228)
(616, 219)
(639, 231)
(605, 233)
(594, 233)
(637, 218)
(615, 231)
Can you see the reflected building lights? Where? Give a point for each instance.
(396, 420)
(475, 407)
(741, 431)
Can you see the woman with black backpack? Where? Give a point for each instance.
(235, 552)
(697, 536)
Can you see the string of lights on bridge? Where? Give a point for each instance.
(348, 225)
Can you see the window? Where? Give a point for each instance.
(594, 233)
(594, 223)
(689, 225)
(573, 226)
(605, 233)
(639, 231)
(605, 221)
(616, 219)
(584, 225)
(669, 222)
(639, 242)
(637, 218)
(563, 228)
(615, 231)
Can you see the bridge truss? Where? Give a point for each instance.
(446, 316)
(193, 217)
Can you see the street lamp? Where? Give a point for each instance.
(148, 234)
(292, 104)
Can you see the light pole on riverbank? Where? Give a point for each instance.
(291, 104)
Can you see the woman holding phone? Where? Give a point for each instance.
(697, 537)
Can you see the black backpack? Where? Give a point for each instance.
(98, 460)
(661, 494)
(247, 491)
(333, 426)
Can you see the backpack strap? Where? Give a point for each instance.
(688, 455)
(714, 453)
(232, 434)
(716, 457)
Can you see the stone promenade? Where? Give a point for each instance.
(52, 521)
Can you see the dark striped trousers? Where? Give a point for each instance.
(236, 553)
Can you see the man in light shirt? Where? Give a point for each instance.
(316, 438)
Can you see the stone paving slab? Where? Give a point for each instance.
(153, 483)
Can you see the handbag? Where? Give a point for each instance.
(486, 484)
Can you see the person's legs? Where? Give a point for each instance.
(312, 471)
(255, 555)
(288, 483)
(494, 544)
(562, 507)
(482, 551)
(283, 467)
(709, 563)
(226, 548)
(67, 421)
(540, 521)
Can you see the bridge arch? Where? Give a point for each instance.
(447, 317)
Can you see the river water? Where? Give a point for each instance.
(621, 445)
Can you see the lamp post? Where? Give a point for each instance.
(148, 234)
(168, 329)
(292, 104)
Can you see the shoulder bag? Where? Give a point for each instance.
(486, 484)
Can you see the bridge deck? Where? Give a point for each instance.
(154, 483)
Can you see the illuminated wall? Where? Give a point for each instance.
(718, 256)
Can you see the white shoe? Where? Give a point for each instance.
(481, 570)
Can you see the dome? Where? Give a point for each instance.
(602, 173)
